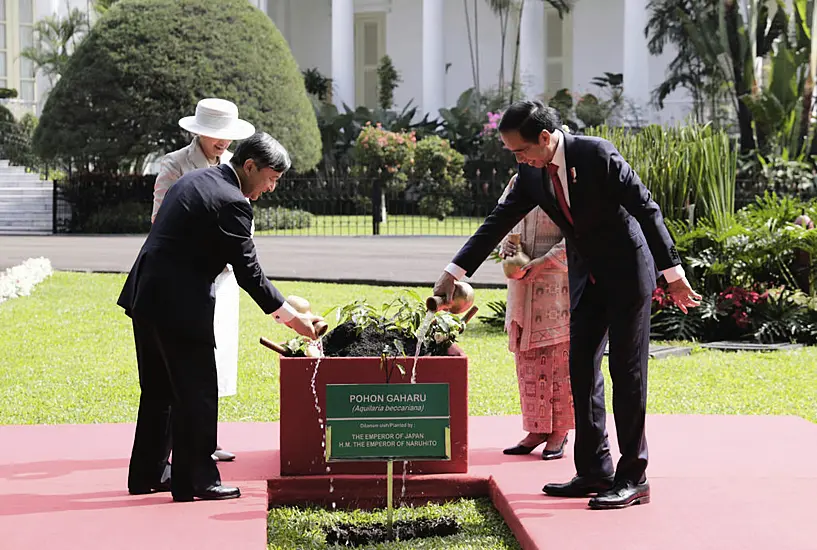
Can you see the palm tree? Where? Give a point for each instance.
(687, 70)
(55, 39)
(502, 9)
(718, 42)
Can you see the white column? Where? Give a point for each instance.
(433, 57)
(343, 52)
(278, 11)
(532, 53)
(636, 56)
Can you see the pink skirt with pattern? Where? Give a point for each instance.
(544, 389)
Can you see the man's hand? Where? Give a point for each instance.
(304, 324)
(445, 287)
(682, 294)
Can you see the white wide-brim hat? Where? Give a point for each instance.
(217, 118)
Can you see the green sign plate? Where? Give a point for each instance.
(387, 421)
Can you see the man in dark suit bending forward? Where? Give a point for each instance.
(204, 224)
(616, 238)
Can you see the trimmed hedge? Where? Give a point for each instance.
(146, 63)
(278, 217)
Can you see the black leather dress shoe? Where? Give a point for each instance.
(558, 453)
(622, 495)
(162, 487)
(578, 487)
(213, 492)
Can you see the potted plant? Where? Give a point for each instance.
(371, 345)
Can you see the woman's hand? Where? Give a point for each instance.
(507, 249)
(532, 268)
(537, 265)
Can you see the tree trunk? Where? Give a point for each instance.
(516, 52)
(741, 87)
(503, 33)
(808, 93)
(471, 47)
(805, 115)
(476, 40)
(747, 137)
(813, 148)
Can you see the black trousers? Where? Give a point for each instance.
(600, 315)
(178, 409)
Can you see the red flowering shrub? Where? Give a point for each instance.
(737, 303)
(660, 299)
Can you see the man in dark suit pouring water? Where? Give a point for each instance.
(617, 245)
(204, 223)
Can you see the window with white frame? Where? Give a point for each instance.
(4, 53)
(27, 70)
(370, 47)
(558, 51)
(17, 34)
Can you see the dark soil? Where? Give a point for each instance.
(343, 341)
(356, 535)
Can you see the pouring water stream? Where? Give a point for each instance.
(318, 344)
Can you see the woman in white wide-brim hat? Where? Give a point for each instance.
(214, 126)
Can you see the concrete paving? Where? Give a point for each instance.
(409, 260)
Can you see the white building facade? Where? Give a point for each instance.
(428, 42)
(17, 19)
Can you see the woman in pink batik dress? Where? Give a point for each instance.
(537, 321)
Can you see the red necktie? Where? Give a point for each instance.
(559, 191)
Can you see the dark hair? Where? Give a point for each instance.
(264, 150)
(529, 118)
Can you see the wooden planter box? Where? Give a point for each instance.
(301, 447)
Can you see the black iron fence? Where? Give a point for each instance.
(103, 203)
(318, 204)
(747, 191)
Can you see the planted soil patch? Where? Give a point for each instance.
(344, 341)
(347, 534)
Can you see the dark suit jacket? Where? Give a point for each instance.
(613, 214)
(204, 224)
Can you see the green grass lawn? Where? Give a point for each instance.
(481, 525)
(394, 225)
(67, 357)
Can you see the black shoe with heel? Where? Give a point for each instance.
(558, 453)
(520, 449)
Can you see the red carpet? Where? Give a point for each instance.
(718, 482)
